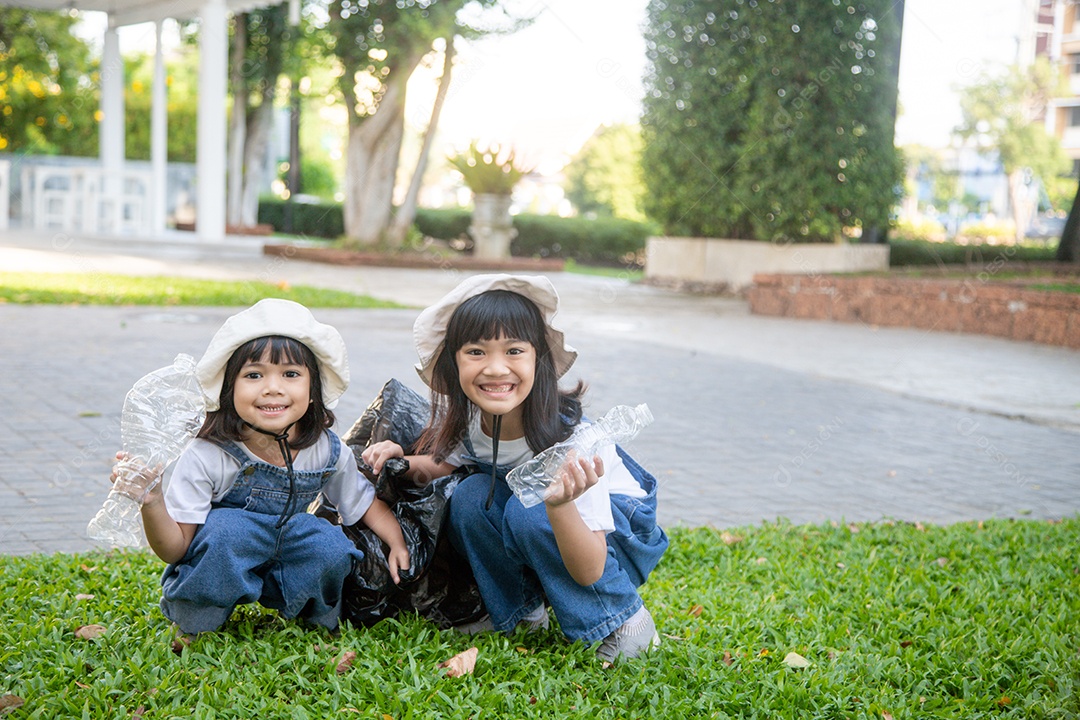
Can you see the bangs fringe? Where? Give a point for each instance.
(497, 314)
(283, 350)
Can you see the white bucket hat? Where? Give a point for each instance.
(429, 330)
(275, 317)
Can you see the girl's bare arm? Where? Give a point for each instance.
(584, 551)
(422, 468)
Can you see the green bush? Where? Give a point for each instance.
(443, 224)
(315, 219)
(601, 241)
(924, 229)
(921, 252)
(770, 120)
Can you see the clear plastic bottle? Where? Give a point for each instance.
(162, 413)
(531, 479)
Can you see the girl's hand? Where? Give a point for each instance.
(577, 476)
(397, 559)
(133, 479)
(376, 455)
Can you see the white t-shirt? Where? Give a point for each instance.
(204, 474)
(594, 505)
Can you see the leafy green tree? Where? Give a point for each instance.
(48, 96)
(605, 176)
(379, 44)
(263, 45)
(182, 78)
(1002, 114)
(770, 120)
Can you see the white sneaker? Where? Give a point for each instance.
(635, 636)
(537, 619)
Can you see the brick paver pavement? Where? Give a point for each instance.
(756, 418)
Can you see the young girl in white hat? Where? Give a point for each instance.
(232, 523)
(493, 361)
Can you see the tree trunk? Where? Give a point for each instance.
(255, 160)
(1019, 206)
(371, 164)
(237, 123)
(1068, 249)
(406, 214)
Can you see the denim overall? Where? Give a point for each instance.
(517, 564)
(238, 556)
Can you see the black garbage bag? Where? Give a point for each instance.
(439, 584)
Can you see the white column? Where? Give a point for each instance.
(159, 138)
(110, 132)
(1058, 31)
(213, 72)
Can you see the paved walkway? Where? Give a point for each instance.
(756, 418)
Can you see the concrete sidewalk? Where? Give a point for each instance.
(757, 418)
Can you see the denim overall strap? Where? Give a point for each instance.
(469, 456)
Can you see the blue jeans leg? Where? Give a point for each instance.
(239, 557)
(219, 570)
(307, 579)
(514, 556)
(509, 588)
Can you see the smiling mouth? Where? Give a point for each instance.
(273, 408)
(497, 389)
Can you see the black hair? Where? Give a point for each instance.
(225, 424)
(548, 414)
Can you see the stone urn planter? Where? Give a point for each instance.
(492, 226)
(491, 173)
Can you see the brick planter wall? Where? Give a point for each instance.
(1004, 309)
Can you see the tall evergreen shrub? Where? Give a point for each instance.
(770, 119)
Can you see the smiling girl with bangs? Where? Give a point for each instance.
(493, 362)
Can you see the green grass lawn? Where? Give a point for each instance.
(895, 621)
(104, 289)
(630, 274)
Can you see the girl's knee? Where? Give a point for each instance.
(528, 525)
(468, 500)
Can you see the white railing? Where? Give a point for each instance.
(88, 199)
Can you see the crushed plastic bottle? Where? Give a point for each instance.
(530, 480)
(162, 413)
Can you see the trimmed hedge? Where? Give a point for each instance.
(603, 241)
(600, 241)
(448, 224)
(312, 219)
(921, 252)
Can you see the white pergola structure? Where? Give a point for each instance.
(213, 82)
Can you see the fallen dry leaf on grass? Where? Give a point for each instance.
(84, 596)
(730, 539)
(727, 657)
(461, 664)
(89, 632)
(695, 611)
(10, 703)
(795, 660)
(345, 663)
